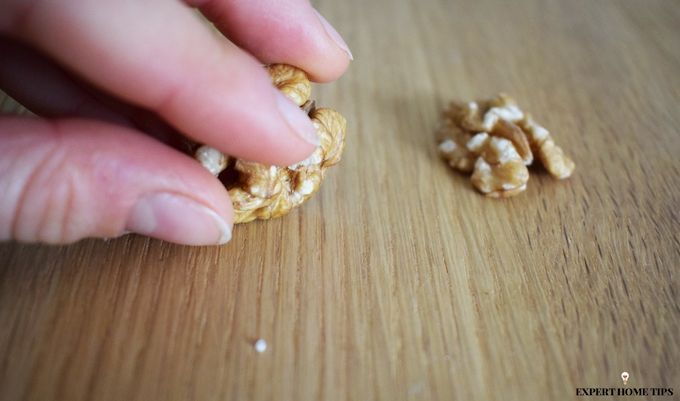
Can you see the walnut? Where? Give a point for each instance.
(453, 147)
(291, 81)
(551, 155)
(499, 170)
(259, 191)
(496, 141)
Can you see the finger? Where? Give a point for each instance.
(71, 179)
(290, 32)
(158, 55)
(45, 88)
(49, 91)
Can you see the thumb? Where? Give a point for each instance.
(66, 180)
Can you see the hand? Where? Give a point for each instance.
(105, 74)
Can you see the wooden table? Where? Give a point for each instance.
(399, 281)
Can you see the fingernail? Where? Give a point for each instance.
(297, 119)
(179, 219)
(334, 35)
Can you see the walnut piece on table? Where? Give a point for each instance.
(495, 140)
(260, 191)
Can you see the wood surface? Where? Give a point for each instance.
(398, 281)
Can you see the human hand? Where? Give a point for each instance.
(104, 74)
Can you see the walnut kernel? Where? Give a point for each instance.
(291, 81)
(263, 192)
(496, 140)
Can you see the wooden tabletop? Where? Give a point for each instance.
(399, 281)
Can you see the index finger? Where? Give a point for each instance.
(290, 32)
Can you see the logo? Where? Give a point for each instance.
(624, 391)
(624, 377)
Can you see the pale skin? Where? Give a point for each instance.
(114, 82)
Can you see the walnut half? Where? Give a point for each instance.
(495, 140)
(260, 191)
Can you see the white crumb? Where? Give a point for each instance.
(260, 345)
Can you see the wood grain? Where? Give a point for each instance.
(399, 281)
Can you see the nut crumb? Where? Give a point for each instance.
(260, 345)
(496, 140)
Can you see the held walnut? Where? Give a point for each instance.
(260, 191)
(495, 141)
